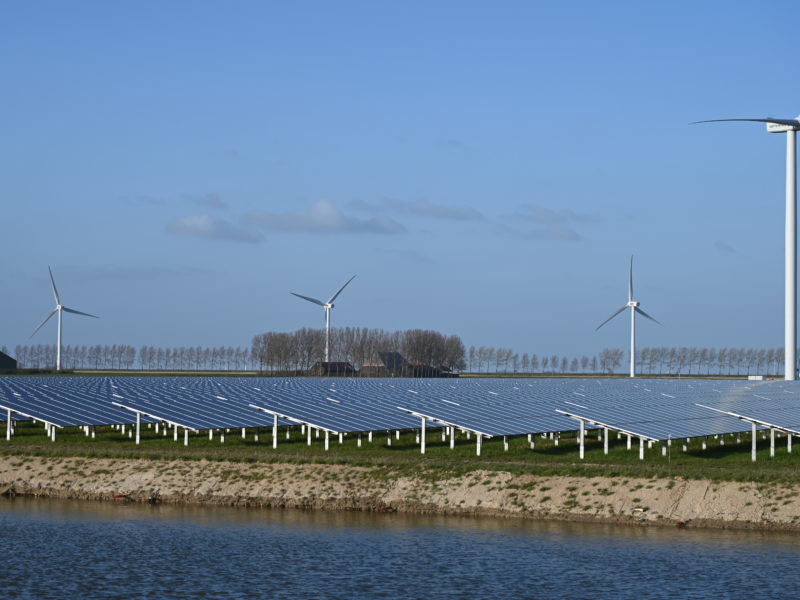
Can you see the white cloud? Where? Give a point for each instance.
(421, 208)
(212, 228)
(536, 213)
(322, 217)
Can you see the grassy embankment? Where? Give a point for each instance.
(730, 462)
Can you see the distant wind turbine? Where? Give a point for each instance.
(634, 306)
(328, 306)
(788, 126)
(59, 309)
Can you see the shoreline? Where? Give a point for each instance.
(623, 500)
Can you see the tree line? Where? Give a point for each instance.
(121, 356)
(302, 349)
(683, 360)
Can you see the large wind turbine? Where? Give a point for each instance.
(328, 306)
(788, 126)
(634, 306)
(59, 309)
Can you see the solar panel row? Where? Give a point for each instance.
(649, 409)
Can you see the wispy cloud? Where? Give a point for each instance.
(116, 273)
(419, 208)
(212, 201)
(145, 201)
(322, 218)
(556, 231)
(725, 248)
(406, 256)
(212, 228)
(536, 213)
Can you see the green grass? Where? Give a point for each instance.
(730, 462)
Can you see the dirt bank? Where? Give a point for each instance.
(341, 487)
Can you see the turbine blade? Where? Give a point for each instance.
(645, 315)
(630, 281)
(46, 319)
(789, 122)
(340, 290)
(611, 317)
(314, 300)
(55, 290)
(77, 312)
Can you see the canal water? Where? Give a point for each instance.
(61, 549)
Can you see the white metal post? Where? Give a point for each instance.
(771, 443)
(327, 440)
(422, 436)
(581, 437)
(754, 441)
(633, 342)
(274, 431)
(605, 440)
(478, 438)
(308, 430)
(8, 425)
(185, 437)
(58, 343)
(790, 367)
(641, 448)
(138, 427)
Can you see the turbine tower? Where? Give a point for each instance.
(59, 309)
(788, 126)
(328, 306)
(634, 306)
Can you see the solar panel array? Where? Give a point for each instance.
(655, 409)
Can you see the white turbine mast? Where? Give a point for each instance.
(59, 309)
(789, 127)
(634, 306)
(328, 307)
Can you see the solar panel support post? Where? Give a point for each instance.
(210, 434)
(605, 440)
(422, 436)
(452, 438)
(185, 437)
(369, 436)
(327, 440)
(52, 433)
(341, 438)
(388, 438)
(629, 441)
(274, 431)
(358, 440)
(705, 442)
(788, 443)
(308, 429)
(244, 433)
(138, 427)
(772, 442)
(174, 433)
(479, 438)
(753, 441)
(641, 448)
(505, 443)
(8, 425)
(581, 438)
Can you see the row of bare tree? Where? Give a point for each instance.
(663, 361)
(120, 356)
(301, 349)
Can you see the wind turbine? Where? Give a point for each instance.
(788, 126)
(328, 306)
(634, 306)
(59, 309)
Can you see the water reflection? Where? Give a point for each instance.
(104, 550)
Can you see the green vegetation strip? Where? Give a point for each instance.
(728, 462)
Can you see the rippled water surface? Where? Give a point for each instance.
(56, 549)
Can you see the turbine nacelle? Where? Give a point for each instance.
(633, 304)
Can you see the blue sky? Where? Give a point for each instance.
(485, 168)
